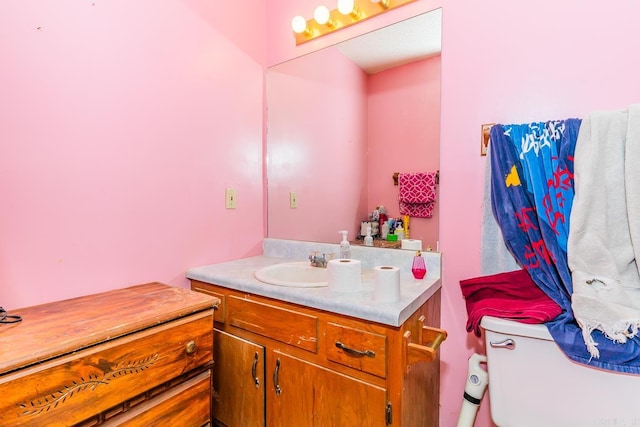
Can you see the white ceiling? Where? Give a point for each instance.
(400, 43)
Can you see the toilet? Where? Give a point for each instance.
(532, 383)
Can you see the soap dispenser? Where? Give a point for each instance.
(345, 248)
(368, 240)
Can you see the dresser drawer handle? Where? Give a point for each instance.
(190, 348)
(353, 352)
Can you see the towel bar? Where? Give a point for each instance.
(396, 174)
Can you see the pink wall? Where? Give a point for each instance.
(317, 126)
(508, 62)
(121, 124)
(404, 135)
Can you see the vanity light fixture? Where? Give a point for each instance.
(347, 13)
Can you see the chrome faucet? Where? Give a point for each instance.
(318, 260)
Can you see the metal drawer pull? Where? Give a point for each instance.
(254, 368)
(275, 378)
(190, 348)
(353, 352)
(509, 344)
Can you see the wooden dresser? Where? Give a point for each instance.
(131, 356)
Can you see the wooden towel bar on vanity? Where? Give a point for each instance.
(428, 342)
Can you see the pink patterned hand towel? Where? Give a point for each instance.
(417, 194)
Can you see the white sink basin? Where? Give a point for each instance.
(293, 274)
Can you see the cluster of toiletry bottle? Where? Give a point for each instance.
(376, 217)
(383, 227)
(418, 267)
(395, 229)
(379, 225)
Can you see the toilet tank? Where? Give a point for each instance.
(532, 383)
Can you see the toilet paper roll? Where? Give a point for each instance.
(412, 244)
(386, 284)
(345, 275)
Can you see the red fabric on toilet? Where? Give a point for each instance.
(512, 295)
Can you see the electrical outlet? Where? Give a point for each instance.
(293, 200)
(230, 198)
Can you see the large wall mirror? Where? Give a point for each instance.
(343, 120)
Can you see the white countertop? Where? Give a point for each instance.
(239, 275)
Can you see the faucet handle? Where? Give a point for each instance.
(323, 261)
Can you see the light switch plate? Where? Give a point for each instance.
(293, 200)
(230, 198)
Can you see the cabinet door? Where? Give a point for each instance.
(303, 394)
(238, 381)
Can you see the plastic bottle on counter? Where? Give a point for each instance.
(384, 230)
(368, 240)
(345, 247)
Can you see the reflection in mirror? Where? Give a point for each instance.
(337, 132)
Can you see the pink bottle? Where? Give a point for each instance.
(419, 269)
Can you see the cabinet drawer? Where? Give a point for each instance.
(72, 388)
(219, 314)
(184, 405)
(287, 326)
(358, 349)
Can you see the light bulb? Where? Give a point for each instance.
(298, 24)
(345, 7)
(321, 15)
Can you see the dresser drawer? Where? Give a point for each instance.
(72, 388)
(184, 405)
(358, 349)
(287, 326)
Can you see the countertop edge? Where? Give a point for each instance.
(238, 275)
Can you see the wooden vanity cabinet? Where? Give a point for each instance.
(129, 357)
(282, 364)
